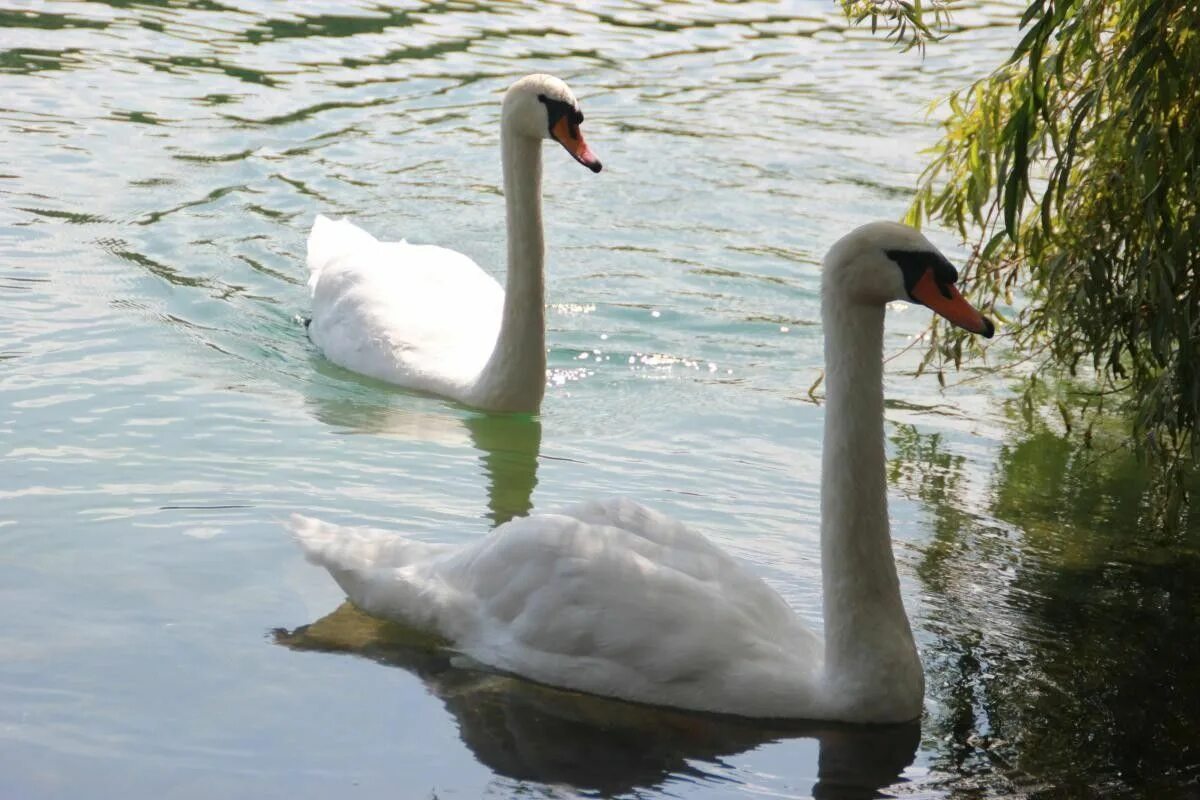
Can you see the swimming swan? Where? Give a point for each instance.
(428, 318)
(615, 599)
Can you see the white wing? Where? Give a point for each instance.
(418, 316)
(610, 598)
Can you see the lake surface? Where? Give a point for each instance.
(161, 410)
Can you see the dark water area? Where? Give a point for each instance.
(1072, 669)
(161, 411)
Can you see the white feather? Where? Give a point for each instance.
(606, 597)
(420, 316)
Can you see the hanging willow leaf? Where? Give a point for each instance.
(1075, 168)
(908, 20)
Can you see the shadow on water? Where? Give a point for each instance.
(1065, 655)
(531, 732)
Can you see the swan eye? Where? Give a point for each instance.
(557, 109)
(915, 263)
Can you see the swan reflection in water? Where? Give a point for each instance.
(530, 732)
(508, 444)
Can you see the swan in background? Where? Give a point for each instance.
(428, 318)
(615, 599)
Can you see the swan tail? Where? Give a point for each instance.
(348, 548)
(329, 240)
(319, 540)
(381, 572)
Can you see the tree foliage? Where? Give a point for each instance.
(1074, 168)
(911, 23)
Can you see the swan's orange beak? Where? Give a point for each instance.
(567, 133)
(944, 299)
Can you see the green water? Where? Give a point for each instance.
(161, 410)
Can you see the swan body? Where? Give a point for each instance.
(421, 316)
(429, 318)
(615, 599)
(605, 597)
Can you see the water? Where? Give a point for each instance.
(161, 410)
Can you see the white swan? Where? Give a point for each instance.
(428, 318)
(615, 599)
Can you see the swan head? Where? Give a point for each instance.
(543, 107)
(885, 261)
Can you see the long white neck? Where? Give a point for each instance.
(515, 376)
(871, 662)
